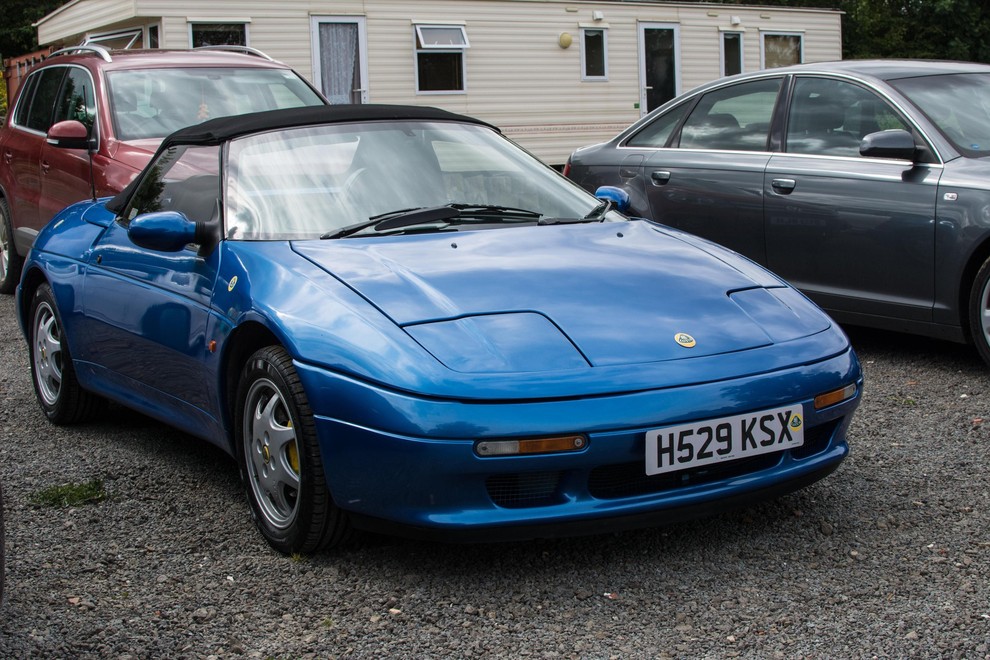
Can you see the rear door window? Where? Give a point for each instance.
(733, 118)
(39, 115)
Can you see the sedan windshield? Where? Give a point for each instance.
(316, 181)
(152, 103)
(958, 104)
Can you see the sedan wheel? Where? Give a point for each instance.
(979, 311)
(10, 261)
(281, 463)
(59, 393)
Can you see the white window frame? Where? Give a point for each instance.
(584, 62)
(98, 38)
(789, 33)
(742, 50)
(315, 21)
(190, 22)
(421, 46)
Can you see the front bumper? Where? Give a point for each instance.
(407, 465)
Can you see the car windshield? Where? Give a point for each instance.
(152, 103)
(313, 181)
(958, 104)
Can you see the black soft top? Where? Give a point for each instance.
(221, 129)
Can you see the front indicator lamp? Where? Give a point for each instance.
(835, 396)
(487, 448)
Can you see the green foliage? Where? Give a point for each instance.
(929, 29)
(89, 492)
(17, 36)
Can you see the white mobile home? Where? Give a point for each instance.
(553, 74)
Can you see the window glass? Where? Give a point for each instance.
(958, 104)
(782, 50)
(76, 99)
(218, 34)
(45, 95)
(831, 117)
(440, 58)
(731, 53)
(658, 131)
(735, 117)
(22, 112)
(594, 57)
(124, 39)
(151, 103)
(184, 179)
(305, 182)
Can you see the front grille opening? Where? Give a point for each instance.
(629, 479)
(816, 440)
(521, 490)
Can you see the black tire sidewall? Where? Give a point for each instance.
(8, 281)
(976, 306)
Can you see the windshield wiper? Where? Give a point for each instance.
(396, 219)
(425, 215)
(597, 214)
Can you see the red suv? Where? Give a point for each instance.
(116, 106)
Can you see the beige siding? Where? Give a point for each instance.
(76, 19)
(517, 76)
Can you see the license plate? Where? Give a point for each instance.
(716, 440)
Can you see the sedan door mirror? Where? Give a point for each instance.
(69, 134)
(894, 143)
(164, 231)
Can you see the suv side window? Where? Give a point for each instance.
(45, 94)
(24, 101)
(831, 117)
(733, 118)
(76, 99)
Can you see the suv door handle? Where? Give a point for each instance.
(8, 156)
(45, 166)
(783, 186)
(660, 177)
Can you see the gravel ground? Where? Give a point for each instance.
(888, 557)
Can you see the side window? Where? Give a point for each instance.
(184, 179)
(45, 94)
(217, 34)
(23, 110)
(732, 118)
(594, 54)
(440, 52)
(656, 133)
(76, 99)
(831, 117)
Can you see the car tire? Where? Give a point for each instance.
(979, 311)
(280, 459)
(10, 261)
(61, 397)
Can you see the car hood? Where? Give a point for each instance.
(531, 299)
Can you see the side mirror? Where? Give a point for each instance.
(69, 134)
(618, 197)
(164, 231)
(894, 143)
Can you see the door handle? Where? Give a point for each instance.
(660, 177)
(8, 156)
(783, 186)
(45, 166)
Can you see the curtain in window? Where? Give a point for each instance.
(339, 62)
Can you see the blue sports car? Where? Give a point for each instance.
(397, 320)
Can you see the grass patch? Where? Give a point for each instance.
(89, 492)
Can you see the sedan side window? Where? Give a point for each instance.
(733, 118)
(657, 132)
(831, 117)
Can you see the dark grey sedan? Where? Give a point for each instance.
(864, 183)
